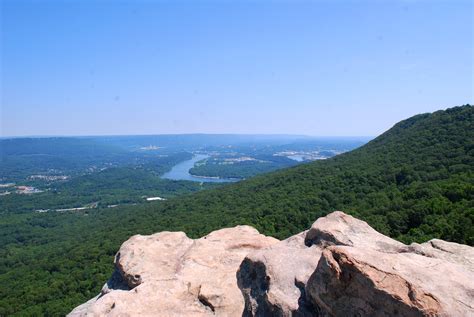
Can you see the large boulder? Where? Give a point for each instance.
(168, 274)
(273, 280)
(338, 228)
(351, 281)
(343, 267)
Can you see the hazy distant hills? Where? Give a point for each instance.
(24, 156)
(101, 145)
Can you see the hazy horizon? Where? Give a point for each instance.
(315, 68)
(186, 134)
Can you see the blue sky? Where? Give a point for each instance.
(324, 68)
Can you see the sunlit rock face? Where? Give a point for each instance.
(169, 274)
(356, 281)
(339, 267)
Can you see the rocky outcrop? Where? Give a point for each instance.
(168, 274)
(352, 281)
(284, 268)
(273, 280)
(337, 228)
(343, 267)
(339, 267)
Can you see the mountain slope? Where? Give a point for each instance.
(414, 182)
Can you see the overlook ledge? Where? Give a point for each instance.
(339, 267)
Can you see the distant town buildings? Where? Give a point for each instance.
(27, 190)
(150, 148)
(49, 177)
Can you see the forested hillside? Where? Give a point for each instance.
(414, 182)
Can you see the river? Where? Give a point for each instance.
(181, 172)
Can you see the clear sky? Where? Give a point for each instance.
(323, 68)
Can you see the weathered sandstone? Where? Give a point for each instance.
(338, 228)
(339, 267)
(168, 274)
(359, 282)
(273, 280)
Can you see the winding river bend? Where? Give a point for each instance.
(181, 172)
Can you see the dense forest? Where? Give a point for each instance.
(59, 154)
(414, 182)
(117, 185)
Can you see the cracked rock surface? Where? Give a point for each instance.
(169, 274)
(352, 281)
(339, 267)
